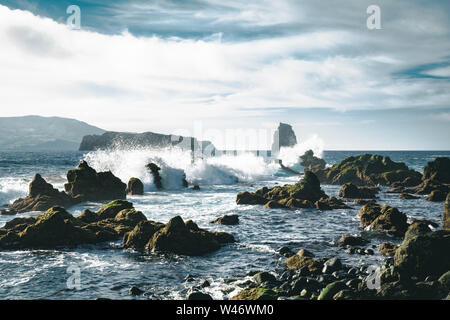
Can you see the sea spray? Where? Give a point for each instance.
(290, 155)
(12, 189)
(174, 163)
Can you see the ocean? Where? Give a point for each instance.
(107, 271)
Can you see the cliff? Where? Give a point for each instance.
(123, 140)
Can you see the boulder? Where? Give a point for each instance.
(41, 197)
(438, 170)
(436, 196)
(330, 204)
(387, 249)
(446, 215)
(256, 294)
(424, 253)
(85, 184)
(154, 170)
(250, 198)
(369, 170)
(428, 186)
(228, 220)
(57, 228)
(141, 234)
(304, 258)
(135, 187)
(310, 162)
(186, 239)
(52, 229)
(351, 191)
(351, 240)
(331, 290)
(407, 196)
(383, 218)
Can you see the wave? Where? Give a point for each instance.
(290, 156)
(175, 163)
(12, 189)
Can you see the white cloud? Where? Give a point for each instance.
(129, 83)
(439, 72)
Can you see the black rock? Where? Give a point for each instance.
(135, 291)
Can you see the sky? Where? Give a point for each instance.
(231, 67)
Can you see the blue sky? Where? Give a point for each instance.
(165, 65)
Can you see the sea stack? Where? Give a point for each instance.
(284, 136)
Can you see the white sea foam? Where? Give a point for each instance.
(290, 156)
(12, 188)
(175, 163)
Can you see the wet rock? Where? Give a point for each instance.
(85, 184)
(351, 240)
(332, 265)
(250, 198)
(383, 218)
(154, 170)
(330, 204)
(430, 185)
(310, 162)
(41, 197)
(446, 215)
(52, 229)
(196, 187)
(387, 249)
(444, 280)
(423, 253)
(272, 204)
(197, 295)
(369, 170)
(436, 196)
(330, 290)
(187, 239)
(285, 251)
(111, 209)
(439, 170)
(304, 258)
(304, 194)
(351, 191)
(363, 201)
(228, 220)
(256, 294)
(407, 196)
(135, 291)
(135, 187)
(265, 278)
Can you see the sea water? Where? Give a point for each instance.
(107, 271)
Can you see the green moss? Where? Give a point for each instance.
(257, 294)
(330, 290)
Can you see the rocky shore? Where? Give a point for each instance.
(416, 266)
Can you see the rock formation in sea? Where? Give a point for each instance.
(41, 196)
(446, 215)
(369, 170)
(135, 187)
(304, 194)
(284, 136)
(85, 184)
(123, 140)
(383, 218)
(311, 162)
(351, 191)
(57, 228)
(177, 236)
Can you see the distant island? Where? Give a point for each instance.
(36, 133)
